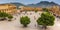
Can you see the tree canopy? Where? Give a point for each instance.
(45, 9)
(4, 15)
(25, 20)
(46, 19)
(10, 17)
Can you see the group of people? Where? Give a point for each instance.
(56, 16)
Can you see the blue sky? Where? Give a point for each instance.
(27, 1)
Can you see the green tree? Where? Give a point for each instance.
(25, 20)
(10, 17)
(45, 9)
(35, 10)
(46, 19)
(3, 15)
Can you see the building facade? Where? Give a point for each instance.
(8, 8)
(55, 10)
(30, 8)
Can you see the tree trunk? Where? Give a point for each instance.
(45, 27)
(9, 20)
(25, 25)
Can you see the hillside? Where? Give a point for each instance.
(43, 4)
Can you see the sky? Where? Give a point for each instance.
(28, 1)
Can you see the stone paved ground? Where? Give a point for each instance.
(15, 24)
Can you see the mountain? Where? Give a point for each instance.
(40, 4)
(17, 4)
(43, 4)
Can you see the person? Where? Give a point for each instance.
(35, 25)
(30, 13)
(34, 17)
(15, 18)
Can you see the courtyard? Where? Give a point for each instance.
(15, 23)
